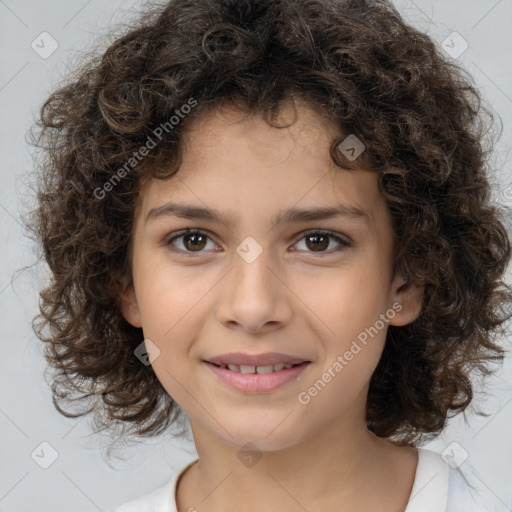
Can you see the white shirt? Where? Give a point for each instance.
(437, 488)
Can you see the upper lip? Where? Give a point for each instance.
(267, 359)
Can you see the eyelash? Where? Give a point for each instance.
(343, 243)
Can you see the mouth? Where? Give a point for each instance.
(247, 369)
(251, 379)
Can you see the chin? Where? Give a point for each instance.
(260, 438)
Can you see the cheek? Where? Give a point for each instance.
(343, 377)
(345, 301)
(354, 317)
(167, 292)
(173, 301)
(172, 327)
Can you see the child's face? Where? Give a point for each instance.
(300, 296)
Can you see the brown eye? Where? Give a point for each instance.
(192, 241)
(318, 241)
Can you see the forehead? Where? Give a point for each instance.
(297, 129)
(239, 166)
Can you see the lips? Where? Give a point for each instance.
(255, 369)
(266, 359)
(254, 382)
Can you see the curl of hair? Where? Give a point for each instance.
(356, 62)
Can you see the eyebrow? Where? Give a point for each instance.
(292, 215)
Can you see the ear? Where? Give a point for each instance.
(130, 307)
(408, 299)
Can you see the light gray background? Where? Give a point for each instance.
(79, 479)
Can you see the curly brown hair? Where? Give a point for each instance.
(358, 63)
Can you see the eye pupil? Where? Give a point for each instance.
(316, 237)
(194, 244)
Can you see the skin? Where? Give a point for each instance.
(290, 299)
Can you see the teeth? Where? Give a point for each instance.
(255, 369)
(264, 369)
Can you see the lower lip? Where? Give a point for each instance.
(257, 382)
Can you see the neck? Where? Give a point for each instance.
(315, 474)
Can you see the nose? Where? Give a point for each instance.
(254, 296)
